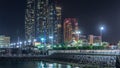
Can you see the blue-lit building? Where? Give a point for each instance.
(42, 20)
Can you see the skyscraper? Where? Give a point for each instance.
(44, 20)
(59, 23)
(30, 20)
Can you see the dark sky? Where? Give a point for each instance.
(91, 14)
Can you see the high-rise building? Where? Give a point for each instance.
(4, 41)
(59, 23)
(70, 28)
(44, 20)
(30, 20)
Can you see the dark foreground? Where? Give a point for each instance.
(56, 60)
(43, 64)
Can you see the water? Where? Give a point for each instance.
(32, 64)
(38, 64)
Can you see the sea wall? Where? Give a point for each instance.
(85, 59)
(94, 57)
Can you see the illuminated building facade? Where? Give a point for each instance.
(59, 22)
(46, 21)
(70, 28)
(94, 39)
(30, 20)
(4, 41)
(91, 38)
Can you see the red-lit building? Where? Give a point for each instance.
(70, 27)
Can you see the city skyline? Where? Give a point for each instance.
(90, 15)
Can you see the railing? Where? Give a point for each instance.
(107, 52)
(21, 55)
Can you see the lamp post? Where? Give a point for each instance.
(78, 32)
(17, 43)
(34, 40)
(20, 44)
(42, 39)
(29, 42)
(101, 30)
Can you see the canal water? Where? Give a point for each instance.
(40, 64)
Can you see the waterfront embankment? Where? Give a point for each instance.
(109, 58)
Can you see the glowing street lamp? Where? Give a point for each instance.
(20, 43)
(78, 33)
(11, 44)
(34, 40)
(42, 39)
(51, 37)
(17, 46)
(101, 30)
(29, 41)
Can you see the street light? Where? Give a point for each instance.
(20, 43)
(42, 39)
(17, 46)
(14, 44)
(51, 37)
(78, 32)
(101, 29)
(34, 40)
(11, 44)
(29, 42)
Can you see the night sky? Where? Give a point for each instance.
(91, 14)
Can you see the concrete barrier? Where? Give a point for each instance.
(85, 59)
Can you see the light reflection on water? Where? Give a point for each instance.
(36, 64)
